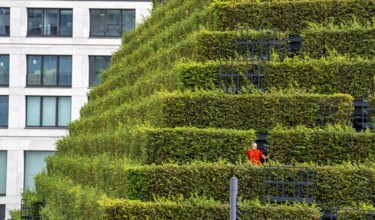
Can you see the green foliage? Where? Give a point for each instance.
(351, 39)
(329, 145)
(335, 74)
(261, 111)
(131, 209)
(160, 145)
(65, 200)
(287, 15)
(15, 214)
(333, 185)
(204, 109)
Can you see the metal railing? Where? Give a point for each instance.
(288, 184)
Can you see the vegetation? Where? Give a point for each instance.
(159, 139)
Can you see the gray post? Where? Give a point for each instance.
(233, 198)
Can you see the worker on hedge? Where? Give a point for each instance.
(254, 155)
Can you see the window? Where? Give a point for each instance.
(97, 64)
(48, 111)
(49, 22)
(49, 70)
(3, 172)
(111, 22)
(34, 163)
(4, 70)
(2, 211)
(3, 111)
(4, 21)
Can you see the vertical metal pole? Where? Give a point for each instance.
(233, 198)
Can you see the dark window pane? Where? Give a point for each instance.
(66, 22)
(34, 22)
(97, 64)
(4, 111)
(98, 22)
(4, 70)
(50, 70)
(128, 20)
(65, 71)
(4, 21)
(33, 70)
(2, 211)
(113, 23)
(50, 22)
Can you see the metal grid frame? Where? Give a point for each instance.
(251, 76)
(260, 49)
(298, 187)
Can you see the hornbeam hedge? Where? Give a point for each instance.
(160, 145)
(330, 145)
(352, 39)
(203, 109)
(286, 15)
(130, 209)
(337, 185)
(338, 74)
(66, 200)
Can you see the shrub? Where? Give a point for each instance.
(130, 209)
(160, 145)
(332, 75)
(329, 145)
(285, 15)
(334, 186)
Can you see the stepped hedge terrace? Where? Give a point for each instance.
(160, 139)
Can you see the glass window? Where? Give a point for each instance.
(3, 172)
(2, 211)
(48, 111)
(4, 70)
(49, 70)
(34, 163)
(4, 21)
(50, 22)
(3, 111)
(111, 22)
(97, 64)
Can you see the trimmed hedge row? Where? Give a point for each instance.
(353, 39)
(338, 74)
(160, 145)
(204, 109)
(318, 41)
(330, 145)
(130, 209)
(293, 15)
(65, 200)
(334, 185)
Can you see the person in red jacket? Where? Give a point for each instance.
(254, 155)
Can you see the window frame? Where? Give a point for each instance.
(42, 23)
(5, 84)
(7, 34)
(94, 56)
(41, 112)
(6, 126)
(42, 71)
(106, 21)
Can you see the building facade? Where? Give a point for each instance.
(51, 53)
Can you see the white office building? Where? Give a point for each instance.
(51, 52)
